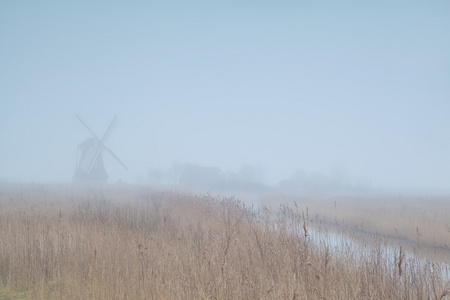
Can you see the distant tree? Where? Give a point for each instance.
(251, 175)
(156, 177)
(196, 176)
(317, 183)
(175, 172)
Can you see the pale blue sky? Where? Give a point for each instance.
(284, 85)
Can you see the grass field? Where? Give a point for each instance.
(121, 242)
(421, 224)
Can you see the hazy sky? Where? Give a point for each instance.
(284, 85)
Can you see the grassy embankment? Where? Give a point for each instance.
(132, 243)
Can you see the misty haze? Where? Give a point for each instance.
(286, 89)
(240, 148)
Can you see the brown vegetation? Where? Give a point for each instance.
(132, 243)
(420, 224)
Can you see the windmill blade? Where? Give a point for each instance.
(108, 131)
(87, 127)
(115, 156)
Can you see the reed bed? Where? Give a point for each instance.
(134, 243)
(420, 223)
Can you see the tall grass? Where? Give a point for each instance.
(422, 223)
(132, 243)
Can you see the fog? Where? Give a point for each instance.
(338, 95)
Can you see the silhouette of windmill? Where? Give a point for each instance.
(89, 165)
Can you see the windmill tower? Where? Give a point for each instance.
(89, 165)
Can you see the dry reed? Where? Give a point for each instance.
(134, 243)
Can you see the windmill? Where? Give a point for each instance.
(89, 165)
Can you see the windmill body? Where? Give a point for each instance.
(90, 166)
